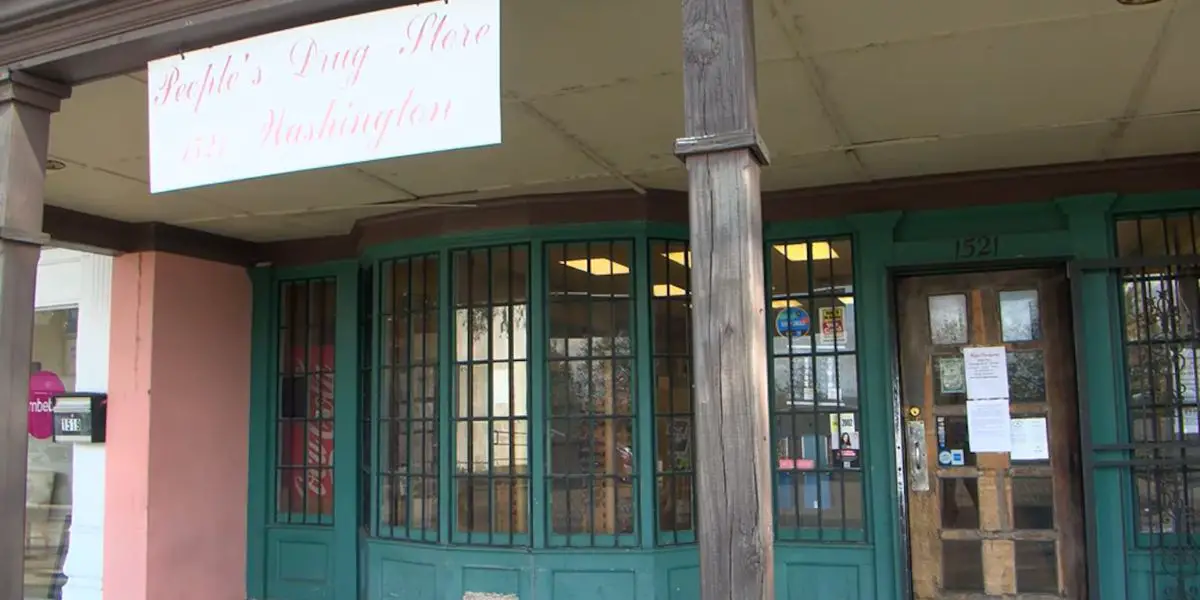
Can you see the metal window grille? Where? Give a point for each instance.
(592, 478)
(816, 421)
(491, 382)
(674, 408)
(408, 390)
(1157, 279)
(304, 401)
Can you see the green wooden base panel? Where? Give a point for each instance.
(300, 567)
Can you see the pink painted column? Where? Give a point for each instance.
(179, 396)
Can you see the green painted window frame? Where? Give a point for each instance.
(784, 235)
(277, 517)
(1138, 208)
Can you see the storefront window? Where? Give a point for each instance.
(304, 404)
(48, 483)
(408, 412)
(1161, 310)
(592, 481)
(671, 314)
(491, 395)
(815, 406)
(521, 427)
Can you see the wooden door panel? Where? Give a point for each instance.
(984, 527)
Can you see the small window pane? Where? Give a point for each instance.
(671, 315)
(491, 383)
(960, 503)
(962, 565)
(1027, 376)
(592, 479)
(1037, 567)
(948, 319)
(950, 379)
(817, 429)
(952, 437)
(408, 445)
(1019, 320)
(1033, 503)
(304, 410)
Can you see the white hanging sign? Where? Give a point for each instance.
(403, 81)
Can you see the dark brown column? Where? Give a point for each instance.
(25, 107)
(724, 154)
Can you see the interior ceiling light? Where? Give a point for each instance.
(600, 267)
(800, 253)
(53, 164)
(846, 299)
(666, 290)
(785, 303)
(683, 258)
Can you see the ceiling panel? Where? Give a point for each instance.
(813, 170)
(831, 26)
(631, 125)
(1049, 73)
(553, 47)
(104, 125)
(532, 151)
(118, 197)
(1176, 83)
(994, 151)
(1170, 134)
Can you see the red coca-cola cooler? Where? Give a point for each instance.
(306, 431)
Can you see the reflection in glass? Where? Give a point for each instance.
(1037, 567)
(491, 441)
(962, 565)
(1027, 376)
(1161, 312)
(590, 370)
(814, 398)
(1033, 502)
(408, 388)
(671, 317)
(948, 319)
(49, 475)
(960, 503)
(1019, 321)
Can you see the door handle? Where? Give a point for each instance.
(918, 469)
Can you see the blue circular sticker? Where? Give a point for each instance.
(792, 321)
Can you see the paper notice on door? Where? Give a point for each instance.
(989, 426)
(986, 371)
(1029, 441)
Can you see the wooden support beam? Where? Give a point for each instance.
(25, 107)
(723, 152)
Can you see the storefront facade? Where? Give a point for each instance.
(504, 402)
(567, 345)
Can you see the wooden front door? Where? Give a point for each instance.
(995, 523)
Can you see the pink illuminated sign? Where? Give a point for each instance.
(43, 385)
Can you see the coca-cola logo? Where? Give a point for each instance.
(318, 443)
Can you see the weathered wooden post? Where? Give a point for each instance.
(25, 107)
(723, 152)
